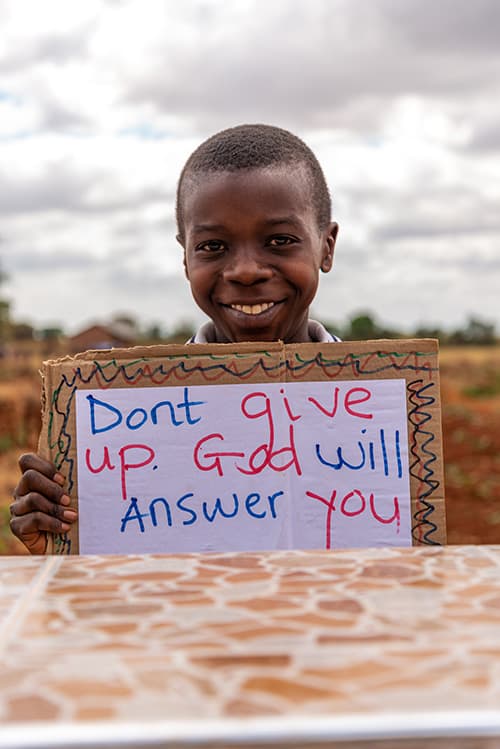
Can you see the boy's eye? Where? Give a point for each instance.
(281, 240)
(212, 245)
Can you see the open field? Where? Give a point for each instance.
(470, 392)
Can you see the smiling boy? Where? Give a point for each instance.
(253, 214)
(254, 220)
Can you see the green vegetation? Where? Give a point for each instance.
(364, 326)
(488, 387)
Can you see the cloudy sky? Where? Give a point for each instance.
(102, 101)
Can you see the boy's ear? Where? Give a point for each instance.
(329, 247)
(179, 239)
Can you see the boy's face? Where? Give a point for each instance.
(253, 252)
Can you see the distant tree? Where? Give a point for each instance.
(181, 333)
(153, 333)
(364, 327)
(361, 327)
(50, 334)
(22, 331)
(385, 332)
(476, 332)
(4, 312)
(425, 331)
(5, 323)
(126, 320)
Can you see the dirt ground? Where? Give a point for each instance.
(470, 395)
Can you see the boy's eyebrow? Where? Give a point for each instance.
(283, 220)
(197, 228)
(200, 228)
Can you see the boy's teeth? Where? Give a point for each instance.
(252, 309)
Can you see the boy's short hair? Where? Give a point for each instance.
(255, 147)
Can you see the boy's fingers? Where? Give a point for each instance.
(41, 505)
(36, 542)
(35, 504)
(30, 461)
(32, 481)
(26, 525)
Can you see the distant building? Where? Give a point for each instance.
(102, 336)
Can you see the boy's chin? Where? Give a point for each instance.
(255, 336)
(271, 325)
(249, 337)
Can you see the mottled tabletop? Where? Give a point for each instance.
(277, 648)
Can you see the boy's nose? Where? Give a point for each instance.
(247, 269)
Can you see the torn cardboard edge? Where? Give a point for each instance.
(414, 360)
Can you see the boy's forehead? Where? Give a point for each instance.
(290, 181)
(297, 173)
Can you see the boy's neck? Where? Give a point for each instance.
(317, 333)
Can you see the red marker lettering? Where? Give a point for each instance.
(396, 517)
(351, 398)
(330, 505)
(106, 461)
(217, 464)
(349, 401)
(125, 465)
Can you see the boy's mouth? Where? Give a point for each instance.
(252, 309)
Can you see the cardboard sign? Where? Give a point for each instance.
(248, 447)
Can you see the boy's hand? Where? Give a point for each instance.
(40, 505)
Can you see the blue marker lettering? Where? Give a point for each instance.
(342, 461)
(180, 504)
(384, 452)
(96, 402)
(186, 403)
(143, 418)
(219, 509)
(272, 502)
(152, 509)
(133, 514)
(252, 500)
(154, 413)
(398, 455)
